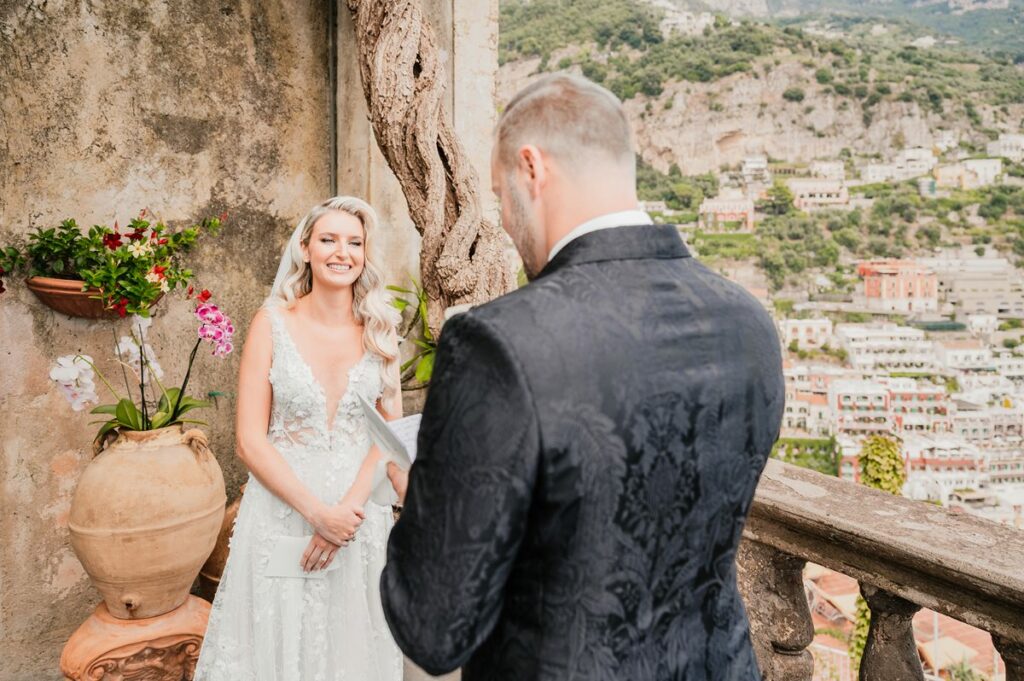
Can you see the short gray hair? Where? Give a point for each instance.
(572, 119)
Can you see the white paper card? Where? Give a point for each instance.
(396, 439)
(382, 491)
(285, 559)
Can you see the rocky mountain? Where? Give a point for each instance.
(796, 94)
(989, 24)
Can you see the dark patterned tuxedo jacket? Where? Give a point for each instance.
(589, 450)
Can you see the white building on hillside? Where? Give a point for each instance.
(859, 408)
(1007, 146)
(913, 162)
(939, 464)
(971, 173)
(970, 285)
(829, 170)
(918, 406)
(886, 347)
(808, 334)
(988, 426)
(873, 173)
(811, 194)
(1010, 366)
(964, 355)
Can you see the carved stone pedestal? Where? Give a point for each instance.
(162, 648)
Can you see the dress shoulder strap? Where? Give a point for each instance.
(278, 332)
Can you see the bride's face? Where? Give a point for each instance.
(336, 251)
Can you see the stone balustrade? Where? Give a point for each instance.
(905, 554)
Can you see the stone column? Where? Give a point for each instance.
(780, 621)
(890, 653)
(1013, 656)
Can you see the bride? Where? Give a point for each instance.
(324, 336)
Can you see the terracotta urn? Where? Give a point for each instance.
(145, 517)
(67, 296)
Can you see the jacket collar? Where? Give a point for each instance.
(631, 243)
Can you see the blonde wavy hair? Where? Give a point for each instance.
(371, 303)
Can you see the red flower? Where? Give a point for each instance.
(159, 271)
(120, 307)
(204, 296)
(191, 290)
(112, 241)
(162, 242)
(223, 216)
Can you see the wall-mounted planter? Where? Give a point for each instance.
(66, 296)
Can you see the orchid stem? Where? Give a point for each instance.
(184, 384)
(100, 374)
(142, 378)
(117, 349)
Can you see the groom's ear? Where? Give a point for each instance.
(532, 168)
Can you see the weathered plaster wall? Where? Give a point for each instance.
(187, 109)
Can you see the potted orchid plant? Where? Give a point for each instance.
(163, 406)
(148, 508)
(104, 271)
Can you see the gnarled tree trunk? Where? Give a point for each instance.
(462, 255)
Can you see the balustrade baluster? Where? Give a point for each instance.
(891, 652)
(1012, 653)
(773, 590)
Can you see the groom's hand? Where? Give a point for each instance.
(318, 554)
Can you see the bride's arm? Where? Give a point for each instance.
(390, 409)
(256, 452)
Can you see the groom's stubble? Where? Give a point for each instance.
(521, 228)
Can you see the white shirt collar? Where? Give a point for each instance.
(625, 218)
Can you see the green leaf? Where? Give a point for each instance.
(425, 369)
(400, 304)
(128, 414)
(399, 289)
(105, 409)
(106, 428)
(167, 399)
(425, 345)
(160, 419)
(412, 361)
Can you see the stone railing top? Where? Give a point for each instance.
(966, 567)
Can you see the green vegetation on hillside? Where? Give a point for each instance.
(679, 192)
(818, 454)
(1000, 32)
(618, 43)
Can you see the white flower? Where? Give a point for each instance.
(131, 354)
(152, 278)
(139, 249)
(76, 380)
(140, 324)
(164, 286)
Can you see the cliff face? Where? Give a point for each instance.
(768, 8)
(704, 126)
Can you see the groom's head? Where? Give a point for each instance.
(563, 154)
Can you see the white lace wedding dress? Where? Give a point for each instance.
(288, 629)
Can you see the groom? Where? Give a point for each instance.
(591, 442)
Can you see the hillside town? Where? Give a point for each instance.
(925, 348)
